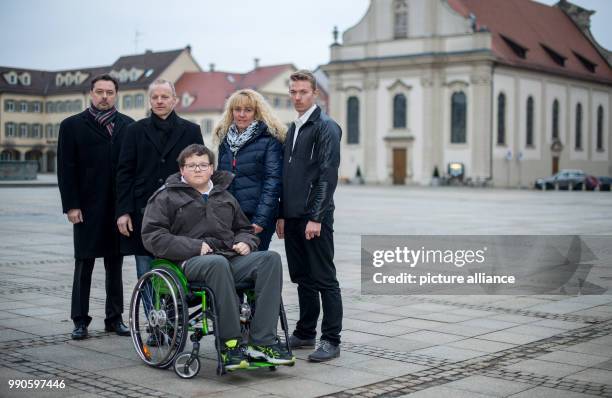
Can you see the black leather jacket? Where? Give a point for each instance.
(310, 170)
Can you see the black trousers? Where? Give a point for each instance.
(311, 266)
(81, 287)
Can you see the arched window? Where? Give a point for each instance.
(555, 119)
(600, 115)
(400, 27)
(352, 122)
(458, 118)
(399, 111)
(529, 130)
(501, 119)
(578, 142)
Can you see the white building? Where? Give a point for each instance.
(512, 89)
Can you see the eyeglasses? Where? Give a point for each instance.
(201, 166)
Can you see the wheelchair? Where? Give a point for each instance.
(160, 321)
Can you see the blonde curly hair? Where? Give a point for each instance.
(263, 112)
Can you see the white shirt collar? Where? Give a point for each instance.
(304, 118)
(210, 185)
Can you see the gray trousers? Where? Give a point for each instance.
(221, 275)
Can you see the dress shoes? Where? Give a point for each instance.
(118, 327)
(79, 332)
(296, 342)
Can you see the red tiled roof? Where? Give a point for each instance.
(531, 25)
(211, 89)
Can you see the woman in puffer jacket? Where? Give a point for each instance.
(250, 142)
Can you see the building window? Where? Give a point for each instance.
(555, 120)
(458, 118)
(9, 130)
(49, 130)
(36, 131)
(56, 129)
(9, 154)
(60, 107)
(77, 105)
(289, 104)
(9, 105)
(127, 102)
(23, 106)
(399, 111)
(207, 126)
(68, 106)
(139, 101)
(23, 130)
(578, 142)
(400, 27)
(501, 119)
(529, 137)
(50, 107)
(352, 121)
(600, 144)
(277, 102)
(37, 107)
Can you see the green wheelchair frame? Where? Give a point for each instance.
(160, 321)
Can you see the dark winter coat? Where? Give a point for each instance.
(144, 165)
(178, 220)
(310, 169)
(86, 169)
(257, 169)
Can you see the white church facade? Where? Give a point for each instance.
(511, 90)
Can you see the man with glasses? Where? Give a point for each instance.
(194, 221)
(87, 153)
(148, 157)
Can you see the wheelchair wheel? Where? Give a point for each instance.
(158, 318)
(182, 370)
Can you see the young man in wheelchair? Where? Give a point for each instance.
(194, 221)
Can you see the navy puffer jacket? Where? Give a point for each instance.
(258, 168)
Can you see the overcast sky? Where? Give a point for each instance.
(65, 34)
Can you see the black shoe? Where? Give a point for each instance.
(296, 342)
(325, 352)
(79, 332)
(118, 327)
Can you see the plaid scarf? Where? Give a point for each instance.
(236, 140)
(106, 119)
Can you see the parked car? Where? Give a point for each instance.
(564, 179)
(604, 183)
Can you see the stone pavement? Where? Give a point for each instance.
(417, 346)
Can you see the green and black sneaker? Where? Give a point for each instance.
(275, 354)
(233, 356)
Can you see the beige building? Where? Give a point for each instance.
(203, 94)
(35, 102)
(511, 90)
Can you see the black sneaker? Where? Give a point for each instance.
(276, 354)
(325, 352)
(296, 342)
(233, 356)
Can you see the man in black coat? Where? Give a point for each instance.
(148, 156)
(310, 175)
(88, 150)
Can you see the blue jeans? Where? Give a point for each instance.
(143, 265)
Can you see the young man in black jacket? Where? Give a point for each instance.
(310, 175)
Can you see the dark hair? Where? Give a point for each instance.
(305, 75)
(197, 150)
(106, 77)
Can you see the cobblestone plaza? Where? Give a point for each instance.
(417, 346)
